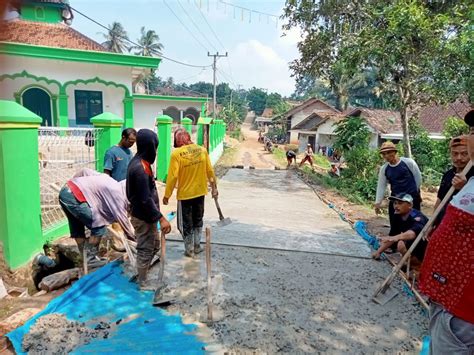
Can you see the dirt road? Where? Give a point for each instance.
(251, 152)
(288, 275)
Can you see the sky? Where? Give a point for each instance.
(258, 54)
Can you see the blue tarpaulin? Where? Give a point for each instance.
(107, 295)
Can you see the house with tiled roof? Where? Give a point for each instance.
(301, 113)
(66, 78)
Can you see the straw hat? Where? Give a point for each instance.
(388, 147)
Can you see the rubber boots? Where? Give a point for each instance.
(143, 282)
(197, 233)
(92, 255)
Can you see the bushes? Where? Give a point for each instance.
(359, 179)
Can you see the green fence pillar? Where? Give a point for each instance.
(163, 158)
(63, 109)
(218, 124)
(187, 124)
(200, 134)
(110, 135)
(20, 205)
(128, 111)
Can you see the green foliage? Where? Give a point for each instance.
(351, 133)
(116, 38)
(422, 146)
(360, 176)
(236, 134)
(257, 99)
(149, 44)
(231, 118)
(420, 49)
(322, 161)
(454, 127)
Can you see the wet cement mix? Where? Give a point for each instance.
(54, 334)
(304, 299)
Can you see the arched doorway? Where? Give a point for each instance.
(192, 113)
(38, 101)
(174, 113)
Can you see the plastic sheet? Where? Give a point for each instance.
(361, 229)
(107, 295)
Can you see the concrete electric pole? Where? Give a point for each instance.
(214, 68)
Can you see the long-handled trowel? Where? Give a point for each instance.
(222, 220)
(159, 300)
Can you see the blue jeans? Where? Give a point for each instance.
(79, 215)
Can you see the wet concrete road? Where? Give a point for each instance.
(275, 209)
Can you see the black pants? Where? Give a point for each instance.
(190, 213)
(391, 209)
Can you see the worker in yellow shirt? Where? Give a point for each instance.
(190, 168)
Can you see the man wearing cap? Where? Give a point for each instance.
(402, 174)
(447, 273)
(407, 224)
(459, 158)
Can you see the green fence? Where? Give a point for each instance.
(29, 209)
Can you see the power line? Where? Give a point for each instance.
(136, 44)
(196, 26)
(210, 27)
(217, 38)
(187, 29)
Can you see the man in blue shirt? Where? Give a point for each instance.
(403, 176)
(407, 223)
(118, 157)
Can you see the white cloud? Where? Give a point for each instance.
(290, 37)
(256, 64)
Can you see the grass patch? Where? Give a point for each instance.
(237, 134)
(280, 155)
(335, 184)
(322, 161)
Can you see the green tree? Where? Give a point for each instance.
(414, 46)
(230, 117)
(257, 99)
(149, 44)
(352, 140)
(116, 38)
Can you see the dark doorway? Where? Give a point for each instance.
(192, 113)
(38, 101)
(174, 113)
(312, 141)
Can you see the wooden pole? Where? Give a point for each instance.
(423, 234)
(208, 265)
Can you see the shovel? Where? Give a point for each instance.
(158, 299)
(222, 221)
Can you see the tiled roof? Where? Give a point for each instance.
(433, 117)
(47, 34)
(315, 119)
(308, 103)
(382, 121)
(267, 113)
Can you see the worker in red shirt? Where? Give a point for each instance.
(447, 272)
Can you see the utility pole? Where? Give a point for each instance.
(214, 68)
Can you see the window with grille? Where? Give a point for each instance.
(88, 104)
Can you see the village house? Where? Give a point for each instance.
(66, 78)
(313, 122)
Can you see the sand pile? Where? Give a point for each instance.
(54, 334)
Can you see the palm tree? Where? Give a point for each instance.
(149, 44)
(116, 38)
